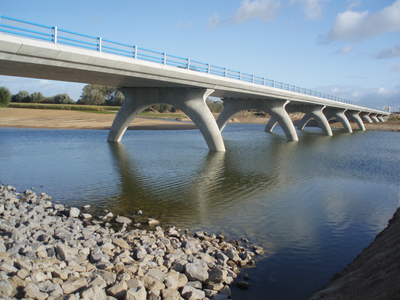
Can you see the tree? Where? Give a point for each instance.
(93, 94)
(22, 96)
(214, 106)
(63, 99)
(37, 97)
(115, 99)
(5, 96)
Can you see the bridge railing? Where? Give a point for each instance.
(56, 35)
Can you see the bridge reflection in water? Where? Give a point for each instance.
(216, 183)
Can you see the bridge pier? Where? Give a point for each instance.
(190, 101)
(339, 113)
(354, 115)
(275, 108)
(380, 118)
(365, 117)
(312, 112)
(374, 118)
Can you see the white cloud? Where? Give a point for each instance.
(312, 8)
(373, 97)
(355, 26)
(214, 22)
(354, 4)
(343, 50)
(390, 52)
(264, 10)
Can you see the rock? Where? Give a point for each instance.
(32, 291)
(50, 288)
(138, 293)
(121, 243)
(86, 216)
(189, 292)
(123, 220)
(217, 274)
(152, 222)
(232, 254)
(243, 285)
(6, 289)
(170, 294)
(108, 277)
(9, 269)
(195, 271)
(93, 292)
(74, 285)
(226, 290)
(74, 212)
(258, 250)
(118, 290)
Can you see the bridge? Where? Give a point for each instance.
(147, 77)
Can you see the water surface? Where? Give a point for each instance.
(313, 204)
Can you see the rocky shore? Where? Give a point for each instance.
(51, 251)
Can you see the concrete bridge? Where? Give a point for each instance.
(148, 77)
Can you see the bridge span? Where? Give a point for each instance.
(148, 77)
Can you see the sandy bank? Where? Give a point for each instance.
(67, 119)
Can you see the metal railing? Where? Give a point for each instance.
(56, 35)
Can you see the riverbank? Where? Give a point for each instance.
(374, 274)
(52, 251)
(69, 119)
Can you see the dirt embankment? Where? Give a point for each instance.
(374, 274)
(69, 119)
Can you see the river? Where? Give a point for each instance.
(313, 205)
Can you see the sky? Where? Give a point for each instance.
(345, 48)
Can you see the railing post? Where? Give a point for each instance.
(240, 75)
(135, 54)
(252, 78)
(165, 58)
(226, 72)
(55, 34)
(273, 83)
(264, 81)
(188, 63)
(208, 69)
(99, 38)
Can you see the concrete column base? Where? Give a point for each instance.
(339, 113)
(312, 112)
(275, 108)
(354, 115)
(190, 101)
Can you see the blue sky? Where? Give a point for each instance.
(346, 48)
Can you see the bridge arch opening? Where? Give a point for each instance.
(274, 108)
(191, 101)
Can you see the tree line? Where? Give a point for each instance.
(92, 94)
